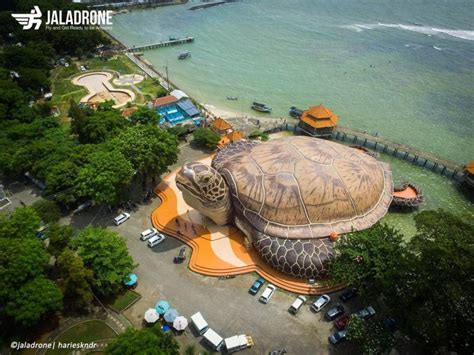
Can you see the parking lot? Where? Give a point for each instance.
(225, 304)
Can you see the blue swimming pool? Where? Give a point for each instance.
(178, 112)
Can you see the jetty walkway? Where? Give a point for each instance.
(172, 42)
(401, 151)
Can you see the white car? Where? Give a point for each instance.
(83, 68)
(122, 217)
(157, 239)
(267, 294)
(320, 303)
(297, 304)
(148, 233)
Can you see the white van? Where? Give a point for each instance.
(199, 323)
(238, 342)
(267, 294)
(157, 239)
(214, 339)
(122, 217)
(297, 304)
(147, 234)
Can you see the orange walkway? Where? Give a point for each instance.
(407, 193)
(217, 251)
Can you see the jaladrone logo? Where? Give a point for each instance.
(65, 20)
(31, 19)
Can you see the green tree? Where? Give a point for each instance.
(22, 223)
(162, 92)
(60, 182)
(48, 210)
(34, 300)
(206, 138)
(59, 237)
(106, 254)
(97, 127)
(435, 296)
(148, 148)
(145, 116)
(75, 280)
(179, 131)
(107, 105)
(369, 260)
(257, 134)
(21, 260)
(144, 341)
(371, 336)
(103, 177)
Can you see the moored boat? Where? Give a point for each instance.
(261, 107)
(232, 98)
(184, 55)
(295, 112)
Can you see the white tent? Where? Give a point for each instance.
(178, 94)
(180, 323)
(151, 316)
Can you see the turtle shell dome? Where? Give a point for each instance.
(302, 187)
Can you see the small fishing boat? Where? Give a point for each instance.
(295, 112)
(232, 98)
(184, 55)
(172, 38)
(261, 107)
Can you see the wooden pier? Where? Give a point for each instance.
(401, 151)
(172, 42)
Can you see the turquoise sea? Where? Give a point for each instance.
(403, 69)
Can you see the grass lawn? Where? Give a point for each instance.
(63, 90)
(122, 301)
(149, 87)
(119, 63)
(86, 332)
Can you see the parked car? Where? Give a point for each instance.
(297, 304)
(83, 68)
(334, 312)
(257, 284)
(157, 239)
(267, 294)
(122, 217)
(338, 337)
(148, 233)
(346, 296)
(341, 323)
(181, 256)
(366, 313)
(320, 303)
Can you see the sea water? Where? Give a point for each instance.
(403, 69)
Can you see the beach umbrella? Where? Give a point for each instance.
(151, 316)
(131, 280)
(180, 323)
(170, 315)
(162, 306)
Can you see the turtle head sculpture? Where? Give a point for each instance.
(204, 189)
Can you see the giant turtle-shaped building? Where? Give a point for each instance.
(289, 195)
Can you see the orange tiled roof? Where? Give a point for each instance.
(470, 167)
(127, 112)
(319, 117)
(221, 124)
(165, 100)
(231, 137)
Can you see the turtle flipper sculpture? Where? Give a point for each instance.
(288, 195)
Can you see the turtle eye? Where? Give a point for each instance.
(206, 178)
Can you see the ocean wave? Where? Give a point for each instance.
(426, 30)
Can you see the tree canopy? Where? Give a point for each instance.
(106, 254)
(144, 341)
(145, 116)
(206, 138)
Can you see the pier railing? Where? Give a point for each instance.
(401, 151)
(172, 42)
